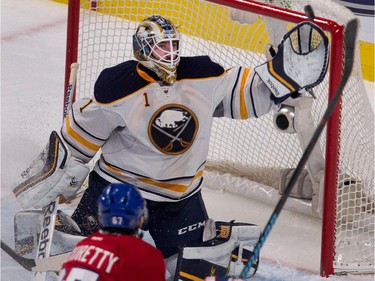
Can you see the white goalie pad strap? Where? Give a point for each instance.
(245, 232)
(209, 231)
(54, 173)
(219, 254)
(300, 63)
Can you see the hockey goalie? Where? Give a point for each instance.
(151, 120)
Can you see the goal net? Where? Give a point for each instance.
(338, 182)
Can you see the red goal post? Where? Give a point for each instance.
(99, 35)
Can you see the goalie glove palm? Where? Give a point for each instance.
(300, 63)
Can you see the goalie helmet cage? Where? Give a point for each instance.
(99, 35)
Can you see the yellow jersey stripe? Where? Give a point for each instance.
(78, 138)
(190, 277)
(243, 109)
(173, 187)
(272, 71)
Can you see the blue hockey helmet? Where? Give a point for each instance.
(120, 207)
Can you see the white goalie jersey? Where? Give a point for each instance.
(156, 136)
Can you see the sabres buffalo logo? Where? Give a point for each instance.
(173, 128)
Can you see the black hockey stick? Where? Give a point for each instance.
(350, 35)
(26, 263)
(52, 263)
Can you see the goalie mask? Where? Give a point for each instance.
(156, 46)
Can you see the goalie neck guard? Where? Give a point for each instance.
(120, 207)
(156, 46)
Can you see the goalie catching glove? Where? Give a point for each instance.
(301, 62)
(55, 173)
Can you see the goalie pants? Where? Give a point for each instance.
(172, 225)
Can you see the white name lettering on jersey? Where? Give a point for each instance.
(94, 255)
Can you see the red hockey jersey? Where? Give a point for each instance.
(108, 257)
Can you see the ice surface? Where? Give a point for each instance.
(32, 78)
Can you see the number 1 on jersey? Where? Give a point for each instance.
(146, 99)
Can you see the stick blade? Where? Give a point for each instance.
(27, 264)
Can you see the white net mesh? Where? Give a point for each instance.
(254, 148)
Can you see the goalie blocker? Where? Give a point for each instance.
(55, 173)
(225, 253)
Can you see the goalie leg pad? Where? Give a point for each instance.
(27, 226)
(225, 254)
(54, 173)
(200, 262)
(246, 236)
(27, 229)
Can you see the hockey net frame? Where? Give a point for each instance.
(99, 35)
